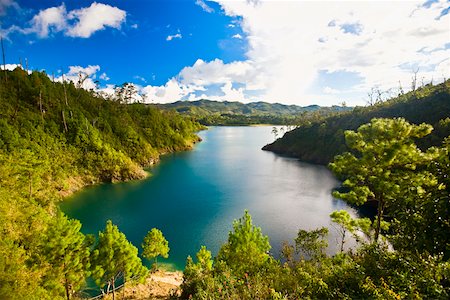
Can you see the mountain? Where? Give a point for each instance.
(209, 112)
(318, 141)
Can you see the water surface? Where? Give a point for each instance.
(194, 196)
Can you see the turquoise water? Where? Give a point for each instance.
(194, 196)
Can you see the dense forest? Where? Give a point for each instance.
(54, 139)
(209, 112)
(320, 139)
(57, 137)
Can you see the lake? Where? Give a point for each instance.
(194, 196)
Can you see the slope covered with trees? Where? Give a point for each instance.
(209, 112)
(56, 138)
(318, 141)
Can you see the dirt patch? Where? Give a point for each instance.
(159, 285)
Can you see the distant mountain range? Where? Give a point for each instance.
(210, 112)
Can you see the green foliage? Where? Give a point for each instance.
(54, 139)
(114, 258)
(387, 165)
(370, 272)
(247, 248)
(320, 139)
(66, 249)
(312, 244)
(154, 245)
(348, 224)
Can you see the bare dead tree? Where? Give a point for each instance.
(414, 80)
(400, 88)
(371, 100)
(64, 88)
(4, 58)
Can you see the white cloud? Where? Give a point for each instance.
(76, 23)
(237, 36)
(94, 18)
(217, 72)
(103, 76)
(84, 76)
(170, 92)
(53, 18)
(299, 41)
(204, 6)
(175, 36)
(9, 67)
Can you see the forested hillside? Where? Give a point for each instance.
(318, 141)
(56, 138)
(209, 112)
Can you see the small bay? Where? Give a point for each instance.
(194, 196)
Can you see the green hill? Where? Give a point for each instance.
(54, 139)
(320, 140)
(209, 112)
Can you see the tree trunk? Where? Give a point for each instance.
(343, 241)
(64, 88)
(4, 59)
(66, 285)
(123, 288)
(64, 121)
(114, 289)
(379, 216)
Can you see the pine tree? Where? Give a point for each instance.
(154, 245)
(385, 165)
(247, 248)
(115, 258)
(67, 251)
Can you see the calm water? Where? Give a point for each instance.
(194, 196)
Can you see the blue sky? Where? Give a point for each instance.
(296, 52)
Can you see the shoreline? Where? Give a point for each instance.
(79, 182)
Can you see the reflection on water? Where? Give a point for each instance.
(193, 197)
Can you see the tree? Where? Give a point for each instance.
(312, 243)
(247, 248)
(275, 132)
(115, 258)
(348, 224)
(154, 245)
(195, 274)
(67, 251)
(385, 165)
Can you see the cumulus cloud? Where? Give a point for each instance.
(80, 23)
(96, 17)
(237, 36)
(170, 92)
(302, 38)
(204, 6)
(216, 72)
(53, 18)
